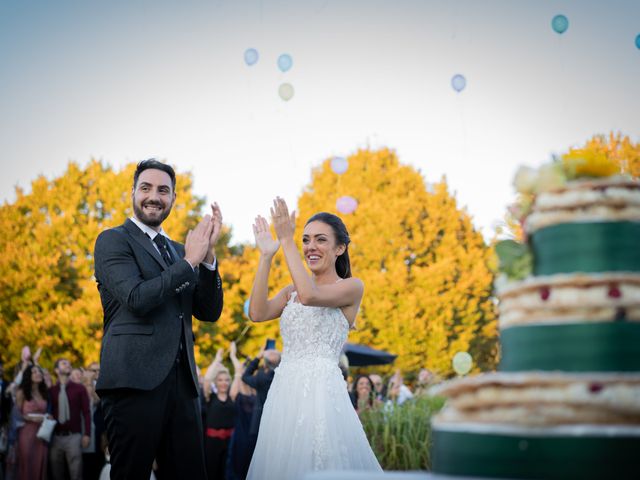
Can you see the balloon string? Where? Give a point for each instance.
(238, 338)
(244, 331)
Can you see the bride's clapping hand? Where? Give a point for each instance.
(267, 245)
(283, 222)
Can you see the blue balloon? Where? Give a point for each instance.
(560, 23)
(246, 308)
(638, 41)
(458, 82)
(251, 56)
(285, 62)
(339, 165)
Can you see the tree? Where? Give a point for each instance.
(48, 296)
(425, 268)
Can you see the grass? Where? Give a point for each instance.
(401, 435)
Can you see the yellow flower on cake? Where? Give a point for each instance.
(586, 163)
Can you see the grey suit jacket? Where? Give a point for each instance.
(147, 306)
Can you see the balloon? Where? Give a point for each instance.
(346, 205)
(638, 41)
(458, 82)
(560, 23)
(339, 165)
(462, 363)
(286, 91)
(246, 308)
(285, 62)
(251, 56)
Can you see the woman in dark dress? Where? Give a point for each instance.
(219, 424)
(242, 444)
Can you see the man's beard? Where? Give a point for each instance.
(151, 221)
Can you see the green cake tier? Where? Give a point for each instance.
(586, 247)
(575, 347)
(559, 453)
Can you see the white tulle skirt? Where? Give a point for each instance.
(309, 424)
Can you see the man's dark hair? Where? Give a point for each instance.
(158, 165)
(57, 362)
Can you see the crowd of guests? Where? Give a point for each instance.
(231, 403)
(371, 391)
(75, 449)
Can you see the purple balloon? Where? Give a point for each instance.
(346, 204)
(339, 165)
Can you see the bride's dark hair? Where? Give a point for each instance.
(343, 265)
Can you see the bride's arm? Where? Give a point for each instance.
(346, 293)
(260, 307)
(341, 294)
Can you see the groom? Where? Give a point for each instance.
(150, 286)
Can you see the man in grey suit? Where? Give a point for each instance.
(150, 286)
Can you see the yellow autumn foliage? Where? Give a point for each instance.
(424, 266)
(48, 296)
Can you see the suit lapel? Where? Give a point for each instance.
(144, 241)
(174, 251)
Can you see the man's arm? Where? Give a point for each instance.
(208, 297)
(118, 271)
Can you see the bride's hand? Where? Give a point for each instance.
(267, 245)
(283, 222)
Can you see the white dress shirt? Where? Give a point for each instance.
(152, 234)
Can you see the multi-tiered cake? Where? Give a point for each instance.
(566, 401)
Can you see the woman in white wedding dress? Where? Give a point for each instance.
(308, 422)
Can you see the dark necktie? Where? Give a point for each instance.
(161, 242)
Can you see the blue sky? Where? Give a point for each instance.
(123, 81)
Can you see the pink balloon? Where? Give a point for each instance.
(346, 204)
(339, 165)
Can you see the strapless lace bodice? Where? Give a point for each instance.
(312, 332)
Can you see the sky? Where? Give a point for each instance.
(122, 81)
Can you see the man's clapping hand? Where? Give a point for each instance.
(216, 223)
(197, 244)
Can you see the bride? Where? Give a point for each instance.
(308, 422)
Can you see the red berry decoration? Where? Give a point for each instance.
(595, 387)
(614, 291)
(545, 293)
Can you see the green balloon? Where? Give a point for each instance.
(462, 363)
(286, 91)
